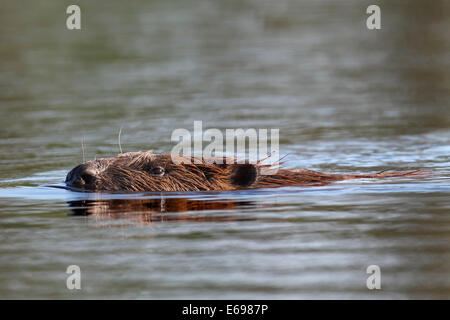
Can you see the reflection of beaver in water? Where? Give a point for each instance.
(157, 210)
(146, 171)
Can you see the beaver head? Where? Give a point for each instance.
(146, 171)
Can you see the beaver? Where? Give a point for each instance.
(147, 171)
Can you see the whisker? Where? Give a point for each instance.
(120, 146)
(82, 149)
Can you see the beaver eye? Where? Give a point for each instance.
(87, 178)
(157, 171)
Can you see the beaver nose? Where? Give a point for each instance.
(81, 177)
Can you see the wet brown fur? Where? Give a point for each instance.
(133, 172)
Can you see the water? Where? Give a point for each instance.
(345, 99)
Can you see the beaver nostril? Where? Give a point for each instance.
(83, 176)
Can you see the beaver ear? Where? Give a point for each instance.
(243, 175)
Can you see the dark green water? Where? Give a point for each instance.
(346, 99)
